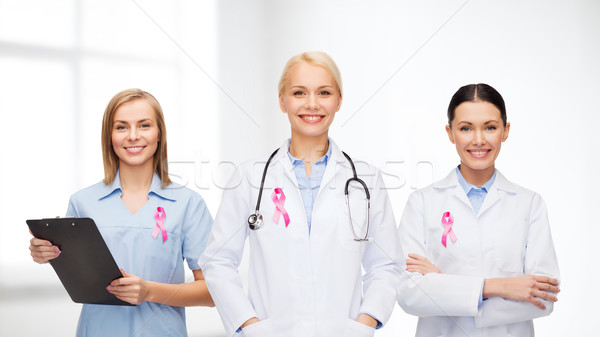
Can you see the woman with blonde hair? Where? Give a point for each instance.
(313, 219)
(149, 224)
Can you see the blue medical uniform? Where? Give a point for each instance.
(129, 238)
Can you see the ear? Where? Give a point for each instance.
(506, 131)
(282, 104)
(450, 135)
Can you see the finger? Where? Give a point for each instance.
(548, 287)
(537, 303)
(545, 295)
(416, 257)
(416, 269)
(413, 262)
(44, 254)
(44, 249)
(39, 242)
(546, 279)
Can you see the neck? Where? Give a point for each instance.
(477, 177)
(309, 149)
(136, 178)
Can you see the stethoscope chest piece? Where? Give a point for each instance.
(255, 221)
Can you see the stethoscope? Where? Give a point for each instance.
(255, 220)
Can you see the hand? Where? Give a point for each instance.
(249, 322)
(129, 288)
(420, 264)
(367, 320)
(43, 251)
(527, 288)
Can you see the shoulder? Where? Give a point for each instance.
(92, 192)
(503, 184)
(181, 193)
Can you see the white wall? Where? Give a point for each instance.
(214, 66)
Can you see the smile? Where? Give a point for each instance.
(134, 149)
(479, 153)
(312, 118)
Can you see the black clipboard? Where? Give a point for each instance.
(85, 266)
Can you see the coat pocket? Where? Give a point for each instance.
(259, 329)
(357, 329)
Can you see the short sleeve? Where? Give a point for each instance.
(196, 227)
(72, 209)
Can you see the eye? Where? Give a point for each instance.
(298, 93)
(145, 125)
(324, 93)
(465, 128)
(490, 128)
(120, 127)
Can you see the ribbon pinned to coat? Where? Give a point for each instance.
(278, 199)
(448, 221)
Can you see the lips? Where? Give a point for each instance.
(312, 118)
(479, 153)
(134, 149)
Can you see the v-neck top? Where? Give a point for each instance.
(135, 250)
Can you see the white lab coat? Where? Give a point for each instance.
(303, 284)
(509, 237)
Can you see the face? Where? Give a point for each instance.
(478, 132)
(310, 98)
(135, 134)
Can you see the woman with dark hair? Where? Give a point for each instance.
(480, 255)
(149, 224)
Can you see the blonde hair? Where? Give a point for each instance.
(316, 57)
(110, 158)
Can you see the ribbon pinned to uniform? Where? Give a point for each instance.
(160, 216)
(278, 199)
(447, 221)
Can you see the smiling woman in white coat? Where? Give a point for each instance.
(480, 254)
(307, 246)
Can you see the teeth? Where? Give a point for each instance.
(311, 118)
(478, 153)
(136, 148)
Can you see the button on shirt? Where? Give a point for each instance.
(130, 240)
(309, 186)
(475, 194)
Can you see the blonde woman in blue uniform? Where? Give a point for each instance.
(149, 224)
(480, 255)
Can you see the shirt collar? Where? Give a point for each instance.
(295, 161)
(468, 187)
(155, 188)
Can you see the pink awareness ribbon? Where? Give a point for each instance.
(278, 199)
(447, 221)
(160, 216)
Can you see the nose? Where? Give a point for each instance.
(133, 134)
(312, 102)
(478, 138)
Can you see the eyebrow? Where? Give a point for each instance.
(140, 121)
(303, 87)
(487, 122)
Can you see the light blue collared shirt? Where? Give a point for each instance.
(475, 194)
(309, 186)
(129, 239)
